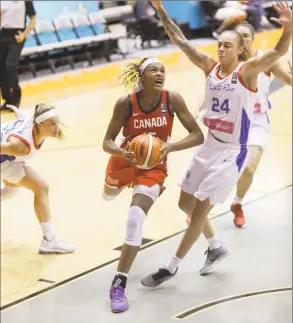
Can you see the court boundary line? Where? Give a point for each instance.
(151, 244)
(184, 315)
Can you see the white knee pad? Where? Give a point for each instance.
(8, 192)
(114, 189)
(152, 192)
(134, 226)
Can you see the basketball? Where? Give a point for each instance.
(146, 149)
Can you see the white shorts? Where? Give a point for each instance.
(214, 170)
(260, 130)
(12, 171)
(225, 13)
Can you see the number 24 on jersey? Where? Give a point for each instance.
(218, 107)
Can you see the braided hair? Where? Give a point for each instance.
(131, 77)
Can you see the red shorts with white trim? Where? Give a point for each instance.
(120, 173)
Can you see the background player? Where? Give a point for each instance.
(20, 140)
(231, 89)
(260, 128)
(149, 105)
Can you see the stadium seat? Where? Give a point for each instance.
(97, 21)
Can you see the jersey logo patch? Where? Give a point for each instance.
(163, 108)
(234, 78)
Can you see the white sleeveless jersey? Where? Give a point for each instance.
(229, 106)
(22, 129)
(262, 104)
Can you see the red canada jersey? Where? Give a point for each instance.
(157, 122)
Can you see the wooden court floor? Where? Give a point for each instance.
(75, 169)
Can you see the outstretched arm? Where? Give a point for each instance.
(255, 65)
(281, 74)
(202, 60)
(14, 147)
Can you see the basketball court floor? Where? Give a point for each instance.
(254, 284)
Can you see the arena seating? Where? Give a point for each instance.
(71, 37)
(75, 35)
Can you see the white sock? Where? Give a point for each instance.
(172, 265)
(214, 243)
(47, 229)
(121, 274)
(237, 200)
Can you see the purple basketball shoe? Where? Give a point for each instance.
(118, 298)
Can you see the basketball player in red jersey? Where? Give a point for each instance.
(149, 109)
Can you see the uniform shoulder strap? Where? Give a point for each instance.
(165, 103)
(134, 102)
(215, 66)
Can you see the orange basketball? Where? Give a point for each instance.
(146, 149)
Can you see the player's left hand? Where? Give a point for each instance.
(285, 12)
(166, 149)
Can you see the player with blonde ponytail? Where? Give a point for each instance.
(20, 140)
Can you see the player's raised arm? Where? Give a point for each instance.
(202, 60)
(281, 73)
(256, 65)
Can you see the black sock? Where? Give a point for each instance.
(120, 280)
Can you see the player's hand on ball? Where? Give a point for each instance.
(166, 149)
(129, 155)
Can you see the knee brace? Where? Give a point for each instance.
(115, 190)
(134, 226)
(152, 192)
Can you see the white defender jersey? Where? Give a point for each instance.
(229, 106)
(263, 104)
(22, 129)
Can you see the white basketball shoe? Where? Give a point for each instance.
(55, 246)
